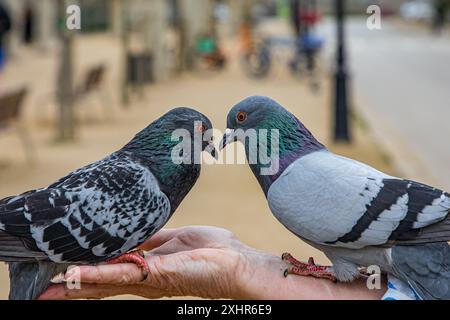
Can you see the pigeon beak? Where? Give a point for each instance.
(211, 149)
(213, 152)
(228, 138)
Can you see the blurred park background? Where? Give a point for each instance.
(377, 91)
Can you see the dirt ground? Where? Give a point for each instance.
(227, 196)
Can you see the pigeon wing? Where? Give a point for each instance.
(402, 212)
(336, 201)
(95, 213)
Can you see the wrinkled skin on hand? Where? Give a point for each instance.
(191, 261)
(205, 262)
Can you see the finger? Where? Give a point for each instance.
(160, 238)
(86, 291)
(116, 274)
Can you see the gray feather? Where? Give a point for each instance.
(13, 249)
(29, 280)
(439, 232)
(426, 268)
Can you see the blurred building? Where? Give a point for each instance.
(39, 23)
(360, 6)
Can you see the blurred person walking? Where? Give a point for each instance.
(5, 26)
(28, 23)
(295, 17)
(304, 17)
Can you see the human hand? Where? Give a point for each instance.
(205, 262)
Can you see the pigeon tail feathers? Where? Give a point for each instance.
(30, 279)
(425, 267)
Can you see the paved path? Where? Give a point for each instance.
(402, 77)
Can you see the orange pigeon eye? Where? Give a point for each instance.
(241, 116)
(201, 128)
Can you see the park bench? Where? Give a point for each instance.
(10, 108)
(92, 85)
(93, 80)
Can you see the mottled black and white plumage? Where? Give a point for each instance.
(357, 215)
(100, 211)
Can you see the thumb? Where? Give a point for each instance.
(126, 273)
(159, 238)
(117, 274)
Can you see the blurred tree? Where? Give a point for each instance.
(65, 87)
(143, 28)
(178, 24)
(120, 26)
(46, 23)
(29, 22)
(196, 19)
(441, 8)
(295, 16)
(283, 8)
(240, 13)
(158, 25)
(5, 26)
(117, 16)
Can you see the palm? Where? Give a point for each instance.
(182, 261)
(194, 257)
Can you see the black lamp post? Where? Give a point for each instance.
(341, 119)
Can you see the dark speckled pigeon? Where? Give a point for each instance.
(102, 211)
(357, 215)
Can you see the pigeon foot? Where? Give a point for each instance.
(307, 269)
(289, 258)
(137, 257)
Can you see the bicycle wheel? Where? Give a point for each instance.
(257, 62)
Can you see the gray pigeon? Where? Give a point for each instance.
(101, 211)
(357, 215)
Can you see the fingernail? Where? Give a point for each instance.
(69, 273)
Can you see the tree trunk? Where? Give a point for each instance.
(65, 87)
(197, 18)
